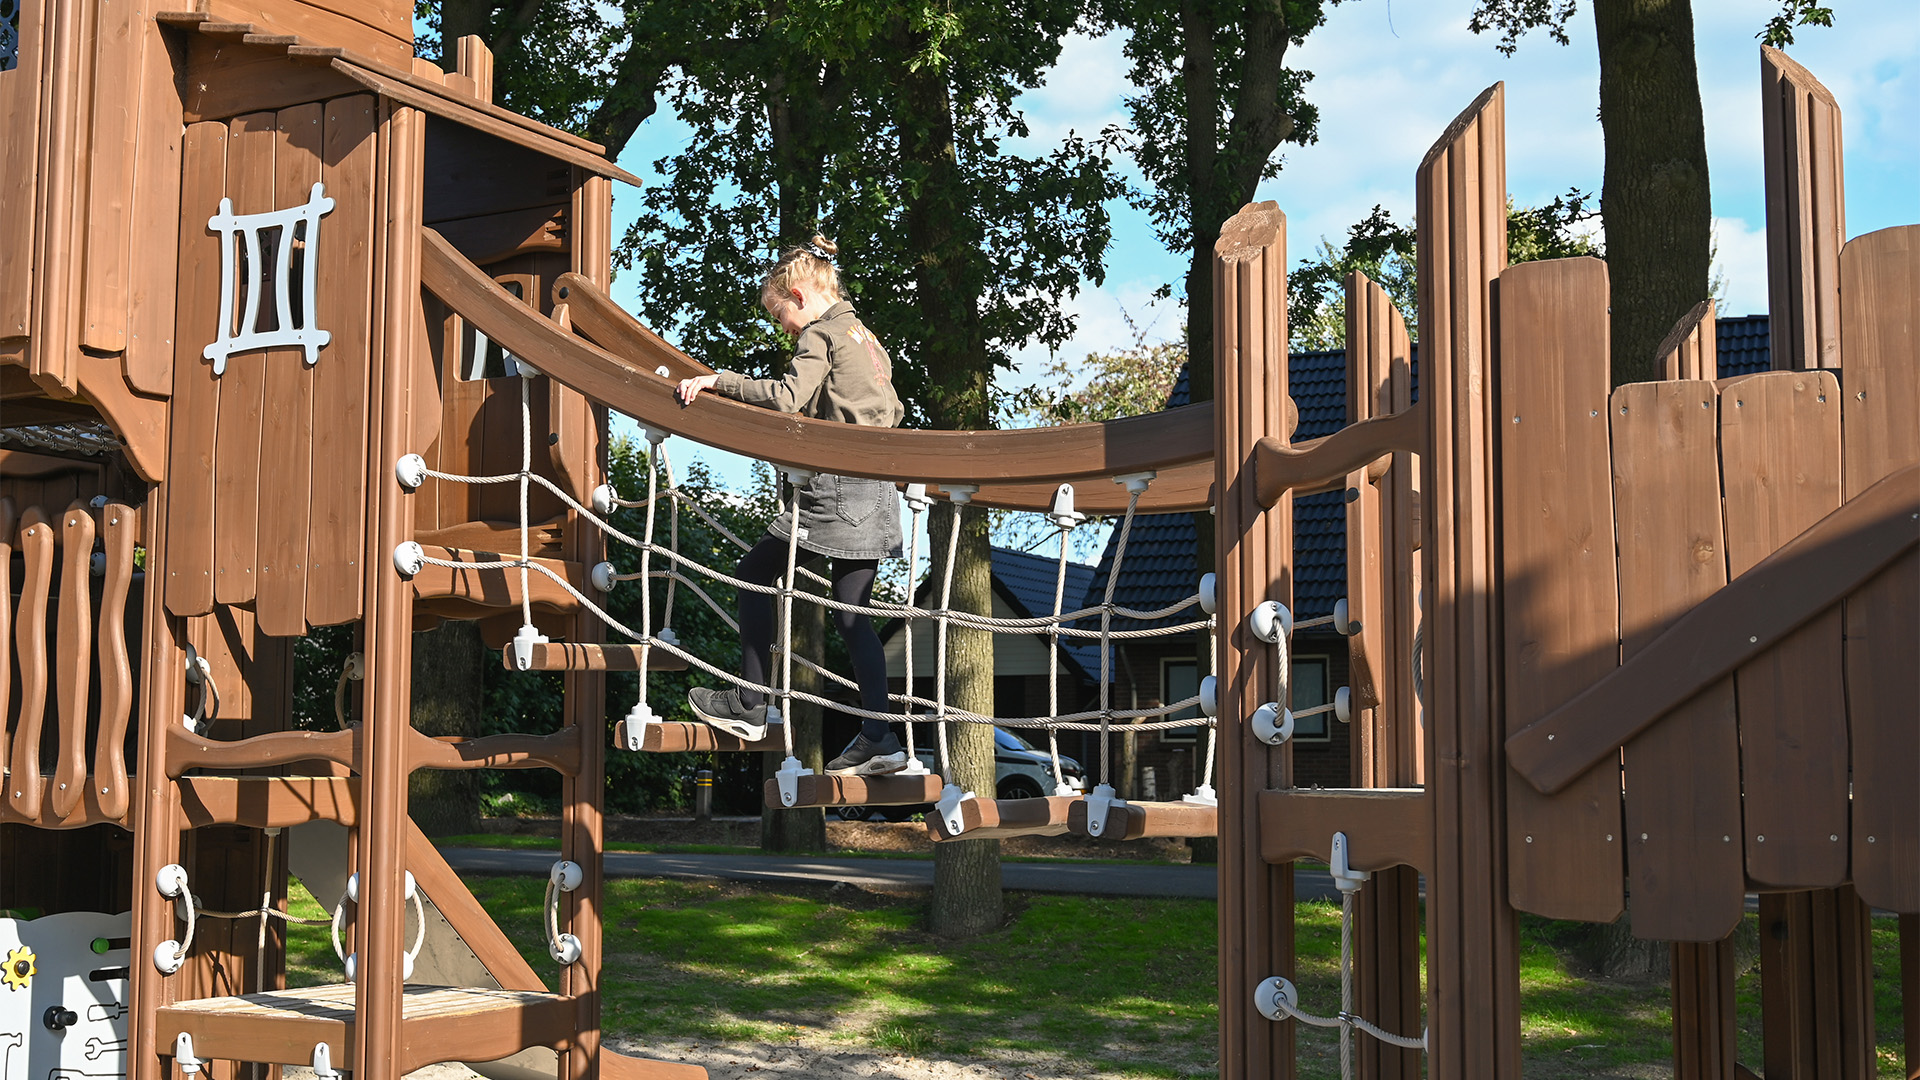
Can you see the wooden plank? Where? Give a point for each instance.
(1789, 587)
(1909, 1000)
(108, 220)
(495, 587)
(559, 751)
(1806, 212)
(674, 737)
(386, 40)
(225, 79)
(9, 517)
(574, 656)
(154, 248)
(475, 61)
(1385, 827)
(1780, 458)
(1001, 819)
(196, 392)
(1691, 349)
(1703, 1009)
(490, 238)
(120, 528)
(1880, 280)
(825, 790)
(1559, 605)
(337, 521)
(287, 417)
(20, 102)
(62, 199)
(1816, 985)
(1143, 820)
(73, 657)
(269, 802)
(1682, 773)
(35, 544)
(236, 482)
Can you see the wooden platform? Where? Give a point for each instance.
(1141, 820)
(441, 1023)
(895, 790)
(673, 737)
(999, 819)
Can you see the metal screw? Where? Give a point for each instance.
(1609, 838)
(1755, 640)
(1623, 410)
(1550, 738)
(1738, 404)
(1643, 836)
(1832, 836)
(1516, 419)
(1861, 396)
(1760, 839)
(1593, 412)
(1726, 839)
(1822, 399)
(1529, 839)
(1870, 840)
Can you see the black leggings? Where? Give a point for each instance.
(852, 584)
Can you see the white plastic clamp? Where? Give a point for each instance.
(411, 471)
(171, 882)
(1204, 795)
(949, 808)
(654, 437)
(1272, 723)
(774, 716)
(638, 718)
(323, 1063)
(1136, 482)
(565, 950)
(1343, 705)
(913, 767)
(666, 636)
(1098, 802)
(183, 1054)
(1343, 624)
(1063, 514)
(353, 887)
(1070, 788)
(916, 496)
(409, 558)
(1270, 621)
(960, 494)
(1345, 877)
(797, 477)
(1210, 695)
(526, 370)
(567, 874)
(603, 500)
(602, 575)
(789, 774)
(523, 643)
(1276, 999)
(1209, 593)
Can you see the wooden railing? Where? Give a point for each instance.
(81, 595)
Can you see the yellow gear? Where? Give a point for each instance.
(18, 974)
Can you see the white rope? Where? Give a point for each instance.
(786, 620)
(526, 470)
(919, 508)
(646, 567)
(1347, 1020)
(1053, 661)
(940, 646)
(1106, 629)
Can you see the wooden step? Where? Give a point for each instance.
(894, 790)
(674, 737)
(999, 819)
(570, 656)
(1384, 826)
(439, 1023)
(1142, 820)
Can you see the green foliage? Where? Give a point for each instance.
(551, 57)
(1779, 30)
(1514, 18)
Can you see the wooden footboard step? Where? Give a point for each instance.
(570, 656)
(1141, 820)
(894, 790)
(673, 737)
(1000, 819)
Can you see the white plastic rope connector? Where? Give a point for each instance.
(323, 1063)
(1098, 804)
(1345, 877)
(916, 496)
(948, 808)
(1272, 723)
(1343, 622)
(638, 718)
(409, 558)
(523, 643)
(1204, 795)
(411, 471)
(1136, 482)
(183, 1054)
(1276, 998)
(1209, 593)
(564, 877)
(169, 955)
(1210, 695)
(1063, 513)
(960, 494)
(1343, 705)
(603, 576)
(787, 777)
(605, 500)
(1270, 621)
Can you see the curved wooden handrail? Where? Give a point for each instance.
(613, 328)
(1310, 466)
(1024, 456)
(185, 750)
(73, 657)
(30, 638)
(121, 527)
(559, 751)
(1810, 574)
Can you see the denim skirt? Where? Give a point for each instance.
(845, 517)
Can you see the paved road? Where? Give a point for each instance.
(1090, 879)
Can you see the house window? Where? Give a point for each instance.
(9, 34)
(1179, 680)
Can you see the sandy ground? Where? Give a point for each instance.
(737, 1062)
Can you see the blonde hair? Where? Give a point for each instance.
(809, 265)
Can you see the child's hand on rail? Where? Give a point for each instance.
(690, 388)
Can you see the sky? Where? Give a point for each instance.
(1387, 79)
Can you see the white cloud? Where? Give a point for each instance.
(1740, 262)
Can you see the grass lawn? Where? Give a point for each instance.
(1118, 987)
(524, 842)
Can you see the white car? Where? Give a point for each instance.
(1019, 772)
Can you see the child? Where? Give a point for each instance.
(839, 372)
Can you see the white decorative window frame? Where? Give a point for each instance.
(248, 228)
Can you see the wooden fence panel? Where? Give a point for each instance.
(1806, 213)
(196, 392)
(1880, 294)
(1691, 349)
(20, 169)
(236, 484)
(154, 251)
(1780, 458)
(1559, 608)
(108, 217)
(337, 523)
(1683, 773)
(286, 429)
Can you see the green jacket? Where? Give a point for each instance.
(840, 371)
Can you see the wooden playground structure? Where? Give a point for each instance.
(1656, 641)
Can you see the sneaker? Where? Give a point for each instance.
(723, 710)
(865, 757)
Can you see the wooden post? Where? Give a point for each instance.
(1254, 556)
(1703, 1010)
(1691, 348)
(1380, 553)
(1816, 985)
(380, 857)
(1806, 213)
(1473, 967)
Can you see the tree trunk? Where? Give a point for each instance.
(448, 694)
(803, 830)
(1654, 195)
(966, 874)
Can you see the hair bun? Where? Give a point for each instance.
(827, 247)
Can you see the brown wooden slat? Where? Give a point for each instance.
(1795, 583)
(1385, 827)
(1560, 608)
(19, 170)
(1806, 212)
(8, 518)
(571, 656)
(233, 74)
(62, 177)
(336, 528)
(185, 750)
(1140, 820)
(109, 205)
(196, 392)
(1691, 349)
(378, 29)
(1816, 985)
(824, 790)
(154, 249)
(1119, 446)
(287, 410)
(1780, 456)
(269, 802)
(1280, 466)
(120, 528)
(559, 751)
(1910, 1001)
(1880, 280)
(673, 737)
(1682, 773)
(35, 544)
(237, 473)
(498, 587)
(1703, 1009)
(73, 657)
(1001, 819)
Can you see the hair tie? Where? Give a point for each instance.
(816, 251)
